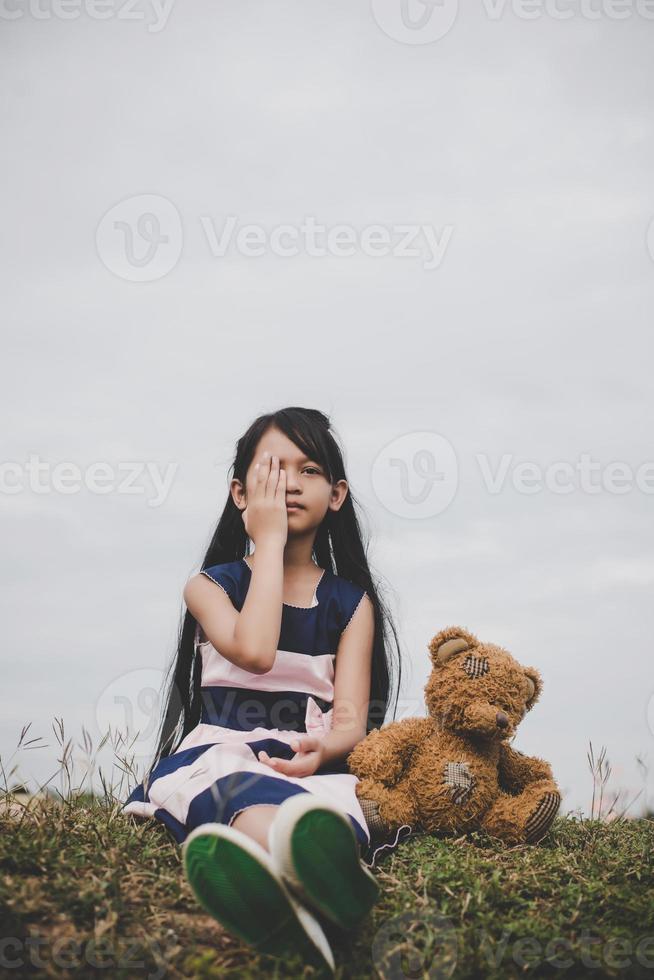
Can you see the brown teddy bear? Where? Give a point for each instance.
(454, 770)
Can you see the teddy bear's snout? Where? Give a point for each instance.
(502, 719)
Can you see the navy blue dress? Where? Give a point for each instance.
(215, 772)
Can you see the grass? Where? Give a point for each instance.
(87, 891)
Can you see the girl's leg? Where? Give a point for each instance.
(255, 821)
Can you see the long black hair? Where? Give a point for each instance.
(338, 546)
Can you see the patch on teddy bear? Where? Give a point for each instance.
(460, 780)
(475, 666)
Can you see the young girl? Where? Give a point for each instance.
(281, 670)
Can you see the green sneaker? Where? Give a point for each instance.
(236, 881)
(316, 851)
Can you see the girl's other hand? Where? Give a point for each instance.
(308, 757)
(265, 515)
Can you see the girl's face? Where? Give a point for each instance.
(307, 483)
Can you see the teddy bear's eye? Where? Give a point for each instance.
(475, 666)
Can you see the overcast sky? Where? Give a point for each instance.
(486, 302)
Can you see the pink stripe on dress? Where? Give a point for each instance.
(290, 672)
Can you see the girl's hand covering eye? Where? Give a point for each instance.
(265, 514)
(308, 757)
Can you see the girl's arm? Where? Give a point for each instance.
(266, 523)
(353, 666)
(249, 638)
(244, 638)
(351, 699)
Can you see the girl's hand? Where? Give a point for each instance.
(308, 757)
(265, 515)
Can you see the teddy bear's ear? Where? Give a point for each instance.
(533, 686)
(449, 642)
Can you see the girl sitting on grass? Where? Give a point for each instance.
(281, 669)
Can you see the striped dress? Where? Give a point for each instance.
(215, 772)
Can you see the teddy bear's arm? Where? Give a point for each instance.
(516, 770)
(385, 753)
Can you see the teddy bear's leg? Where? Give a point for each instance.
(383, 837)
(526, 817)
(379, 829)
(394, 806)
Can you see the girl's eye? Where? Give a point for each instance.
(312, 468)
